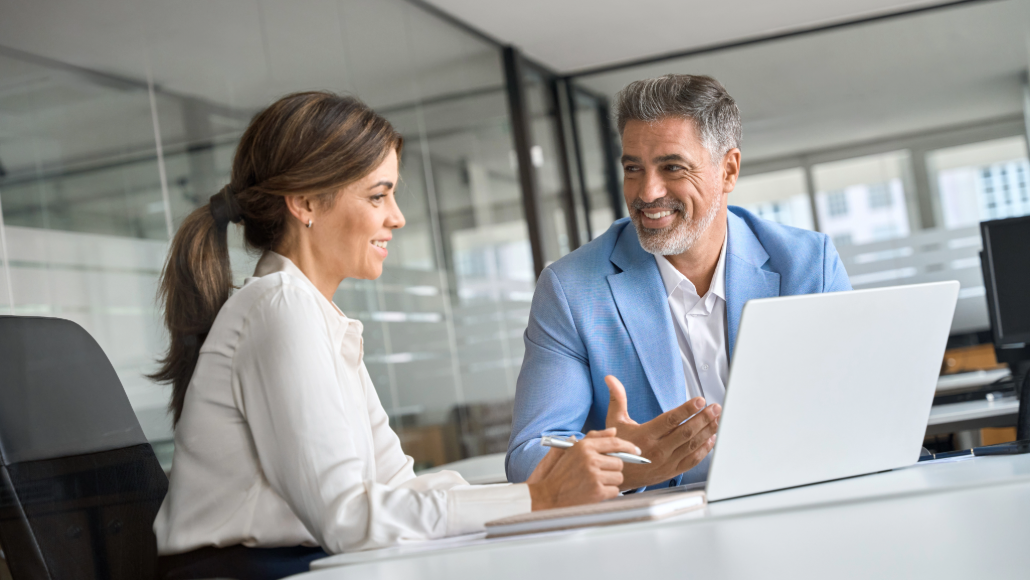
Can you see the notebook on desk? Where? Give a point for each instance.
(627, 508)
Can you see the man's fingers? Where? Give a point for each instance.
(671, 419)
(618, 408)
(696, 456)
(696, 439)
(610, 445)
(610, 477)
(609, 432)
(609, 491)
(689, 429)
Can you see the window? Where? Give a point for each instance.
(880, 196)
(841, 240)
(862, 200)
(838, 203)
(981, 181)
(777, 196)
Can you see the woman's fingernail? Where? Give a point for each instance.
(639, 452)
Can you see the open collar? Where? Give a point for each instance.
(345, 332)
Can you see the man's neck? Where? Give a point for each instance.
(699, 262)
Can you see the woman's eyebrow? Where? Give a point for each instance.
(388, 184)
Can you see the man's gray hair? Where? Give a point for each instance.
(699, 98)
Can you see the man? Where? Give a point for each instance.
(656, 303)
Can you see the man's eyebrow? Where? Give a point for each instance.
(671, 157)
(630, 159)
(388, 184)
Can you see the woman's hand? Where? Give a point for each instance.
(581, 474)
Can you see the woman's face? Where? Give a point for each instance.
(352, 236)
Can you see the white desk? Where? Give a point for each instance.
(955, 520)
(973, 415)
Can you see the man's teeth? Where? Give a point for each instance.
(658, 215)
(379, 244)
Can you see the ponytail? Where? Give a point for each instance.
(196, 282)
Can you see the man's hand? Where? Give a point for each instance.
(672, 445)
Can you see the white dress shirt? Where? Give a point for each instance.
(700, 323)
(283, 440)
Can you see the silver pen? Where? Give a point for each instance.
(565, 443)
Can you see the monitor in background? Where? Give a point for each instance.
(1006, 266)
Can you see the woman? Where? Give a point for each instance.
(283, 452)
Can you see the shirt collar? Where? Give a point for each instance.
(345, 332)
(271, 262)
(673, 278)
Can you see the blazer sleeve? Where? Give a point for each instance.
(554, 393)
(835, 277)
(289, 392)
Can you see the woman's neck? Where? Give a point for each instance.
(303, 256)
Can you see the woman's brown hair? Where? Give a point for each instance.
(305, 143)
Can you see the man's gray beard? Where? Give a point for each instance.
(677, 239)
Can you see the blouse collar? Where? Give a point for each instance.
(346, 332)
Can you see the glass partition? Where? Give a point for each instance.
(99, 171)
(602, 207)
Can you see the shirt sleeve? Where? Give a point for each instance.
(287, 388)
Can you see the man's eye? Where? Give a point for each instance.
(673, 167)
(630, 168)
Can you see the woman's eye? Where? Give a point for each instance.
(378, 197)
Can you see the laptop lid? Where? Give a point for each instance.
(826, 386)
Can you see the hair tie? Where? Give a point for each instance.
(225, 208)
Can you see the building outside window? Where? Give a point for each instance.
(837, 202)
(981, 181)
(863, 200)
(880, 196)
(778, 196)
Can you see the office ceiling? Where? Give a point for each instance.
(569, 35)
(944, 68)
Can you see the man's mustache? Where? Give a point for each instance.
(662, 203)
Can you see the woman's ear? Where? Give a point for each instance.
(302, 207)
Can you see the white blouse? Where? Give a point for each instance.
(283, 441)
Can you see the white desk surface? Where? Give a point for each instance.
(968, 410)
(967, 380)
(966, 519)
(477, 470)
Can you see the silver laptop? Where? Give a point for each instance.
(827, 386)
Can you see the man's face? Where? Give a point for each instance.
(673, 190)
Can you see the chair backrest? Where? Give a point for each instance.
(79, 484)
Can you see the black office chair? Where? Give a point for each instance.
(79, 484)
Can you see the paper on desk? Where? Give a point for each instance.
(946, 460)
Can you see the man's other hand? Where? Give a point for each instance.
(670, 441)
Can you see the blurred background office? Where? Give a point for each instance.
(894, 127)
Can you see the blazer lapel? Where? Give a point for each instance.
(746, 278)
(640, 297)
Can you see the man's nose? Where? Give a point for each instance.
(653, 188)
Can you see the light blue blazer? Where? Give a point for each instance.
(603, 310)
